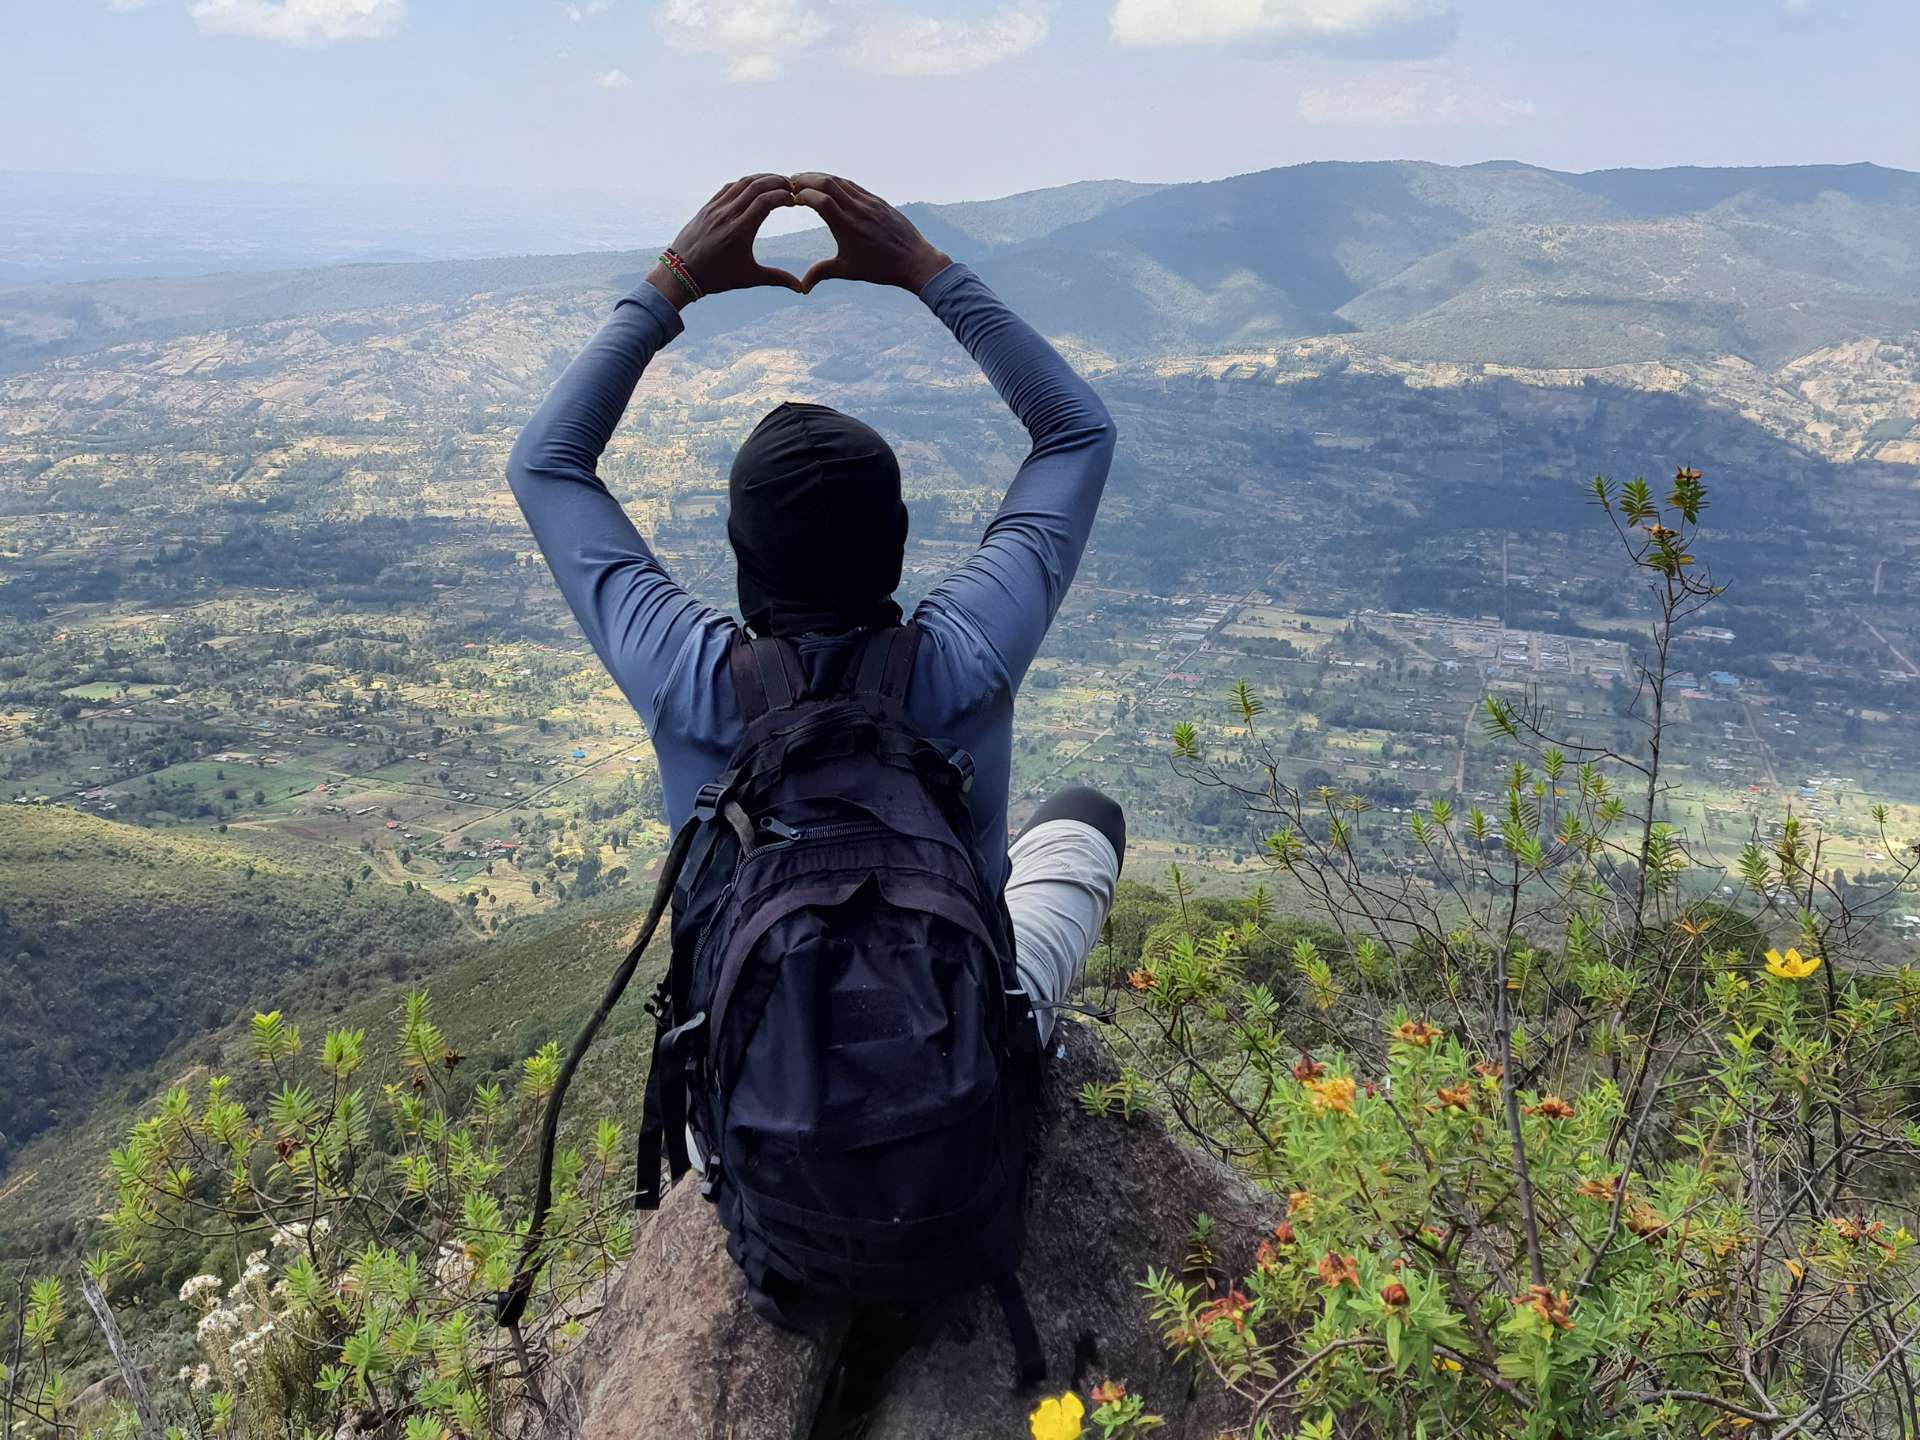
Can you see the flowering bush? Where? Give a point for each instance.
(1566, 1147)
(369, 1225)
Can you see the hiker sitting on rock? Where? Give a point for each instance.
(818, 531)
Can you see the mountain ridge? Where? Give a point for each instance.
(1432, 261)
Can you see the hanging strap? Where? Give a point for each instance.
(513, 1301)
(886, 666)
(1029, 1359)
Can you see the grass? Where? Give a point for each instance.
(116, 942)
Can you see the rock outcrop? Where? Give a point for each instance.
(677, 1352)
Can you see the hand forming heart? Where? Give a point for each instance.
(876, 243)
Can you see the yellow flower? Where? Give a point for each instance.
(1334, 1094)
(1792, 965)
(1058, 1417)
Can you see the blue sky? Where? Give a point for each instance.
(926, 100)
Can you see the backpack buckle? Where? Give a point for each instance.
(671, 1042)
(706, 804)
(962, 762)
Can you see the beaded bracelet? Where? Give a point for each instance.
(671, 259)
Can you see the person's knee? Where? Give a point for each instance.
(1089, 807)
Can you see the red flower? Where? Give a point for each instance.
(1395, 1294)
(1337, 1270)
(1231, 1307)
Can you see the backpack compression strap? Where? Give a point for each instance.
(513, 1301)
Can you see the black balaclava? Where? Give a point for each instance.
(816, 522)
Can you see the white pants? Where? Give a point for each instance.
(1059, 889)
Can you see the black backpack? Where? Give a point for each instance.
(841, 1024)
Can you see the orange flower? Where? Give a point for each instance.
(1266, 1259)
(1231, 1307)
(1337, 1270)
(1395, 1294)
(1417, 1032)
(1455, 1097)
(1283, 1232)
(1142, 980)
(1335, 1094)
(1551, 1107)
(1108, 1392)
(1643, 1220)
(1307, 1068)
(1489, 1070)
(1599, 1189)
(1555, 1309)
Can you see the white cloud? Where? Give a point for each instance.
(587, 9)
(1401, 29)
(299, 21)
(1409, 94)
(613, 80)
(903, 44)
(756, 39)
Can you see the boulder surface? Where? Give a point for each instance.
(677, 1352)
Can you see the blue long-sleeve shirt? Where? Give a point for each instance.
(983, 624)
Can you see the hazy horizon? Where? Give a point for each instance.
(670, 97)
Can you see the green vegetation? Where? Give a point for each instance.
(115, 943)
(339, 1240)
(1564, 1149)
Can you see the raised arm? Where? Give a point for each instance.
(1005, 596)
(633, 613)
(1010, 589)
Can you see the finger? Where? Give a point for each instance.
(760, 188)
(732, 191)
(828, 208)
(832, 268)
(827, 184)
(774, 275)
(764, 204)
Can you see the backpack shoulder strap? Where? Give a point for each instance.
(767, 675)
(886, 666)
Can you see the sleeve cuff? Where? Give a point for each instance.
(658, 306)
(935, 290)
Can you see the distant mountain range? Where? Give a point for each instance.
(1499, 262)
(1790, 294)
